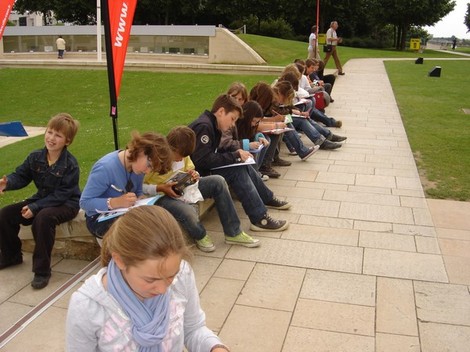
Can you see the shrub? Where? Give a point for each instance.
(277, 28)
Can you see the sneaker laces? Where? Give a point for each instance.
(270, 219)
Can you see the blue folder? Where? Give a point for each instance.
(12, 129)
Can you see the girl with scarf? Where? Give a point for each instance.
(145, 297)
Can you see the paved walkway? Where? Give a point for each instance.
(368, 264)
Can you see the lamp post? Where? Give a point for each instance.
(99, 55)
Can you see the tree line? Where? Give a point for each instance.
(366, 23)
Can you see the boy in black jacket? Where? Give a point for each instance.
(243, 179)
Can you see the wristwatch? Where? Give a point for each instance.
(238, 160)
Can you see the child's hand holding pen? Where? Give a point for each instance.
(126, 200)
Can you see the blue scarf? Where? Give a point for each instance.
(149, 317)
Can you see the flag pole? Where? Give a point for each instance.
(99, 56)
(111, 80)
(318, 18)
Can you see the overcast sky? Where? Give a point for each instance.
(452, 24)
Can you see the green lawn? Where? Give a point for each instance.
(436, 125)
(431, 108)
(282, 52)
(148, 101)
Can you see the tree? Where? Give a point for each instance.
(73, 11)
(81, 12)
(406, 13)
(467, 18)
(45, 7)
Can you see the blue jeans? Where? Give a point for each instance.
(309, 130)
(215, 187)
(259, 157)
(325, 132)
(249, 189)
(97, 228)
(292, 140)
(317, 115)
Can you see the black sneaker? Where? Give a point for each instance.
(281, 162)
(335, 138)
(6, 262)
(40, 281)
(267, 223)
(330, 145)
(269, 171)
(278, 204)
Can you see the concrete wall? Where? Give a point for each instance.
(226, 48)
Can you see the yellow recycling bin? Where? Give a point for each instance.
(415, 43)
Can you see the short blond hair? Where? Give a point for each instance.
(66, 124)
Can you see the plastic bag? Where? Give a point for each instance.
(191, 194)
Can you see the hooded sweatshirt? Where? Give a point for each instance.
(96, 322)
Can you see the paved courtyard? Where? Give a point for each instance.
(367, 264)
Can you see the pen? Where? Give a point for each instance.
(117, 189)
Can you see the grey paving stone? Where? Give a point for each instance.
(369, 189)
(387, 240)
(422, 217)
(338, 317)
(265, 287)
(376, 181)
(39, 336)
(234, 269)
(333, 177)
(247, 327)
(404, 265)
(217, 300)
(302, 254)
(375, 212)
(373, 226)
(427, 245)
(32, 297)
(339, 287)
(396, 311)
(361, 197)
(394, 343)
(439, 303)
(444, 337)
(309, 340)
(321, 234)
(325, 221)
(413, 230)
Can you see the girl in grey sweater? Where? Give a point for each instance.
(145, 297)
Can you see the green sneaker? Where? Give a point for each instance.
(205, 244)
(243, 239)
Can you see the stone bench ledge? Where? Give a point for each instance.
(74, 241)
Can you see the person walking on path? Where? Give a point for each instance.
(333, 40)
(454, 43)
(313, 52)
(60, 42)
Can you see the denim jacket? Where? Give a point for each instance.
(57, 184)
